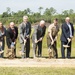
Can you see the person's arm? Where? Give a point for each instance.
(64, 31)
(43, 34)
(16, 29)
(21, 32)
(51, 35)
(44, 30)
(8, 36)
(16, 32)
(35, 33)
(50, 32)
(8, 39)
(57, 34)
(72, 30)
(28, 30)
(55, 38)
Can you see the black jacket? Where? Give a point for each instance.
(38, 32)
(10, 35)
(66, 32)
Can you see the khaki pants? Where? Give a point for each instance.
(52, 48)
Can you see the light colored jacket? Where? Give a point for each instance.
(24, 30)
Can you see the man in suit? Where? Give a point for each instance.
(11, 36)
(25, 30)
(37, 37)
(66, 37)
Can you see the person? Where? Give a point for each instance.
(37, 38)
(25, 31)
(11, 36)
(52, 38)
(66, 37)
(2, 39)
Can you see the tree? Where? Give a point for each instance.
(8, 10)
(25, 12)
(65, 13)
(40, 9)
(20, 13)
(47, 12)
(50, 11)
(5, 14)
(71, 11)
(28, 11)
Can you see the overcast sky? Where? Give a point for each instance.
(16, 5)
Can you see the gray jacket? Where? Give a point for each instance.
(24, 30)
(38, 32)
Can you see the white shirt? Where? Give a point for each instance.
(70, 29)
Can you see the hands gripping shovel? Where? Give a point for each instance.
(66, 46)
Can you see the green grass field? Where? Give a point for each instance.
(37, 71)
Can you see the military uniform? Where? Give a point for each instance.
(53, 29)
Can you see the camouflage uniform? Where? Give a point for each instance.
(53, 29)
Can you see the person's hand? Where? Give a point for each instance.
(69, 40)
(55, 39)
(52, 42)
(3, 33)
(0, 43)
(72, 37)
(14, 43)
(40, 39)
(24, 41)
(27, 36)
(36, 41)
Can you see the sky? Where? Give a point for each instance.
(16, 5)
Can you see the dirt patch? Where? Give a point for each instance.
(38, 62)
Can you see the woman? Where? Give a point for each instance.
(2, 40)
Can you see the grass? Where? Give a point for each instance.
(36, 71)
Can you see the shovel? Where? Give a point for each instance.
(66, 46)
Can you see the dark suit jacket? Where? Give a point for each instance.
(24, 31)
(10, 35)
(66, 32)
(2, 37)
(38, 32)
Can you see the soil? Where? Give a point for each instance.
(37, 62)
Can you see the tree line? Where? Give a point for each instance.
(48, 15)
